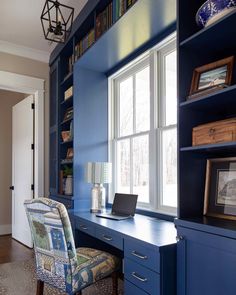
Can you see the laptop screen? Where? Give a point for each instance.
(124, 204)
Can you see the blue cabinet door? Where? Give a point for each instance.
(206, 263)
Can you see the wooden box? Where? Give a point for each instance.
(215, 132)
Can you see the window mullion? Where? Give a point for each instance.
(152, 136)
(134, 104)
(117, 113)
(131, 139)
(131, 166)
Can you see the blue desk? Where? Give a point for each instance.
(148, 246)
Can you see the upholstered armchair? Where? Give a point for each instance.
(58, 262)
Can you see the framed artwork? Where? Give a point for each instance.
(212, 77)
(68, 114)
(70, 153)
(66, 136)
(220, 189)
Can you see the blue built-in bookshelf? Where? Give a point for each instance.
(130, 30)
(206, 248)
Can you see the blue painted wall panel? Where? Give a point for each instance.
(90, 128)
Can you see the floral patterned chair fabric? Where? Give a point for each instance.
(58, 262)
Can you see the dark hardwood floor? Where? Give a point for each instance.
(11, 250)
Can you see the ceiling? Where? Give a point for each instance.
(20, 23)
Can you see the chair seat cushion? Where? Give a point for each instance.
(93, 265)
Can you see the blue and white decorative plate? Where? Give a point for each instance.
(212, 10)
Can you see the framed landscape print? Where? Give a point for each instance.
(220, 189)
(212, 77)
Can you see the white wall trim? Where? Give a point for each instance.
(34, 86)
(20, 83)
(23, 51)
(5, 229)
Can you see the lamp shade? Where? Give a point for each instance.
(98, 172)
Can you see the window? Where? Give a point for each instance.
(142, 129)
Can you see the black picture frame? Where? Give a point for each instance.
(220, 188)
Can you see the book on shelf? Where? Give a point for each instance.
(129, 3)
(70, 63)
(84, 44)
(68, 93)
(120, 7)
(104, 20)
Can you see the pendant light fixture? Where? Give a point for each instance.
(56, 19)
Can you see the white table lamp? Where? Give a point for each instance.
(98, 173)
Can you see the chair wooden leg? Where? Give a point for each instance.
(40, 287)
(114, 283)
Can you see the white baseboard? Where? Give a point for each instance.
(5, 229)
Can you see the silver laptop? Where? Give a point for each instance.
(123, 207)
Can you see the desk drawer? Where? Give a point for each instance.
(142, 277)
(131, 289)
(141, 254)
(85, 227)
(110, 237)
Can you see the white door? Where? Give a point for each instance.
(22, 167)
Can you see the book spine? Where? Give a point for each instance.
(129, 3)
(114, 11)
(117, 8)
(98, 26)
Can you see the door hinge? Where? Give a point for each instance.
(32, 187)
(32, 106)
(11, 188)
(32, 146)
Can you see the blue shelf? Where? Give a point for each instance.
(68, 78)
(210, 147)
(67, 142)
(223, 98)
(66, 163)
(143, 22)
(68, 101)
(210, 38)
(217, 226)
(67, 121)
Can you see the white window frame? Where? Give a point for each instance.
(154, 58)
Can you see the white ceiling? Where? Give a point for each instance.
(20, 23)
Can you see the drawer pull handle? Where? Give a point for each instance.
(138, 277)
(134, 253)
(83, 227)
(107, 238)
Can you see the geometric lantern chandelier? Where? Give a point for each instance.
(56, 19)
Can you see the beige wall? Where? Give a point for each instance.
(7, 101)
(25, 66)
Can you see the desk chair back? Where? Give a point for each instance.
(54, 246)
